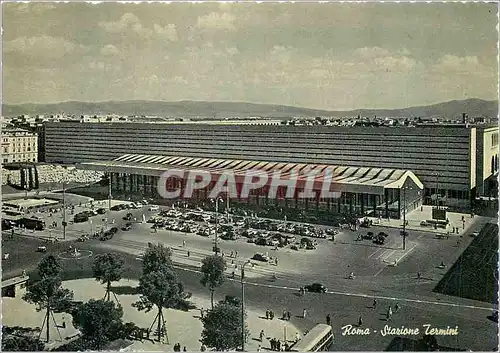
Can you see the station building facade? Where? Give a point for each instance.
(375, 192)
(455, 164)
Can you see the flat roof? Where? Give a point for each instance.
(347, 179)
(28, 203)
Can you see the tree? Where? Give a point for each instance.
(108, 268)
(222, 327)
(16, 339)
(213, 268)
(98, 321)
(155, 257)
(159, 286)
(47, 293)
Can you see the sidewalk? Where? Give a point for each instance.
(415, 217)
(395, 256)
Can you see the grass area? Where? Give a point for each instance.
(474, 275)
(23, 255)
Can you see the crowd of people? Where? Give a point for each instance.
(48, 173)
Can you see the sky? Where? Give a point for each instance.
(319, 55)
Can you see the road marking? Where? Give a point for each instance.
(376, 251)
(361, 295)
(388, 252)
(376, 274)
(389, 255)
(406, 253)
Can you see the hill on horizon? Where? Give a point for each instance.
(472, 106)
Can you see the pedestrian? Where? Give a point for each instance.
(421, 208)
(396, 308)
(271, 315)
(183, 243)
(297, 336)
(288, 315)
(276, 262)
(267, 314)
(304, 313)
(374, 303)
(203, 348)
(273, 343)
(188, 253)
(328, 319)
(419, 275)
(236, 254)
(284, 315)
(278, 345)
(184, 349)
(202, 312)
(360, 321)
(261, 335)
(258, 348)
(390, 311)
(231, 255)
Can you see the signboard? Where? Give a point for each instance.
(439, 214)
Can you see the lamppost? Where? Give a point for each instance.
(64, 223)
(404, 215)
(216, 200)
(243, 336)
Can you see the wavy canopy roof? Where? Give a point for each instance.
(350, 179)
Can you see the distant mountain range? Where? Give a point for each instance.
(473, 107)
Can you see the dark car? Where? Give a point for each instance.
(113, 230)
(101, 211)
(116, 208)
(127, 226)
(80, 217)
(232, 300)
(385, 235)
(261, 241)
(260, 257)
(128, 217)
(368, 236)
(316, 288)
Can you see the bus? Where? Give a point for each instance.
(320, 338)
(32, 223)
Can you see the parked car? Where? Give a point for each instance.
(260, 257)
(127, 226)
(232, 300)
(316, 288)
(474, 234)
(129, 216)
(83, 238)
(101, 210)
(425, 224)
(41, 249)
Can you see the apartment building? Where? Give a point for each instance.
(19, 146)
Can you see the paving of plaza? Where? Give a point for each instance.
(330, 263)
(183, 327)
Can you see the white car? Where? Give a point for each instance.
(154, 208)
(474, 234)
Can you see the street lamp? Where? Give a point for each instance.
(404, 215)
(243, 305)
(217, 200)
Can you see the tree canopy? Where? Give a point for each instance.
(222, 327)
(155, 257)
(108, 268)
(17, 339)
(49, 267)
(47, 292)
(213, 268)
(98, 321)
(159, 285)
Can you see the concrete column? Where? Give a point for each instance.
(386, 200)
